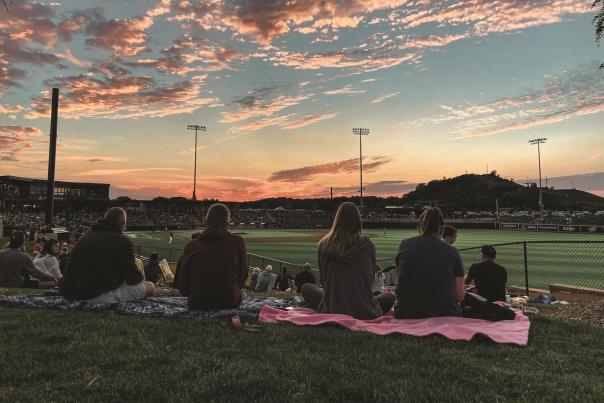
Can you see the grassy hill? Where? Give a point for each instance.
(50, 355)
(479, 192)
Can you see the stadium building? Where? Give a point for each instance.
(25, 193)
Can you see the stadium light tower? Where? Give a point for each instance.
(539, 141)
(361, 132)
(197, 128)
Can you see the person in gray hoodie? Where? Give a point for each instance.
(347, 265)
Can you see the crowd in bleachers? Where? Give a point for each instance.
(427, 280)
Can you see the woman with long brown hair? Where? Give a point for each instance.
(431, 273)
(347, 264)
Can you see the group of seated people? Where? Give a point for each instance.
(213, 269)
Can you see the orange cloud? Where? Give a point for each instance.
(308, 173)
(16, 139)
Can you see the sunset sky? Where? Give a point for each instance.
(446, 87)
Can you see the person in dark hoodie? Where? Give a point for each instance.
(101, 268)
(213, 267)
(347, 265)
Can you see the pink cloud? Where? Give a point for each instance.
(112, 92)
(262, 109)
(122, 37)
(16, 139)
(308, 120)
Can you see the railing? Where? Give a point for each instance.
(173, 254)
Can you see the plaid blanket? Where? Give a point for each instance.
(155, 306)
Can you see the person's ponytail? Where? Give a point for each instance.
(431, 222)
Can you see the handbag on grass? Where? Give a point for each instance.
(476, 307)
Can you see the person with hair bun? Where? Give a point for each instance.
(431, 273)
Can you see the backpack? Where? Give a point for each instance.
(476, 307)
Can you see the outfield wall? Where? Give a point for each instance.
(568, 228)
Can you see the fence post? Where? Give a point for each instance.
(526, 279)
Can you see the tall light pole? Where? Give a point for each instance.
(539, 141)
(361, 132)
(197, 128)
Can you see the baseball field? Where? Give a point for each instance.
(552, 258)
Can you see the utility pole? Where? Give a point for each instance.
(52, 157)
(361, 132)
(539, 141)
(197, 128)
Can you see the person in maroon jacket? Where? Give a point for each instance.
(213, 267)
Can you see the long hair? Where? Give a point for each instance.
(344, 232)
(431, 222)
(47, 249)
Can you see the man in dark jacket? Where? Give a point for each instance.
(101, 268)
(213, 267)
(304, 277)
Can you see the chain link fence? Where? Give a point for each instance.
(543, 264)
(529, 264)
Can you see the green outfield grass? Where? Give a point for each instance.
(573, 264)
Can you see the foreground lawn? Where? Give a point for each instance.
(75, 356)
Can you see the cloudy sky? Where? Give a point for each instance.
(446, 87)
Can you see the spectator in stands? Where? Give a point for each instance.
(254, 278)
(102, 268)
(17, 269)
(283, 279)
(152, 269)
(47, 261)
(489, 277)
(377, 286)
(430, 272)
(213, 267)
(347, 264)
(390, 276)
(304, 277)
(449, 234)
(37, 247)
(63, 258)
(266, 280)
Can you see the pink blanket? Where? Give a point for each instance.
(506, 331)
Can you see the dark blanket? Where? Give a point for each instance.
(155, 306)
